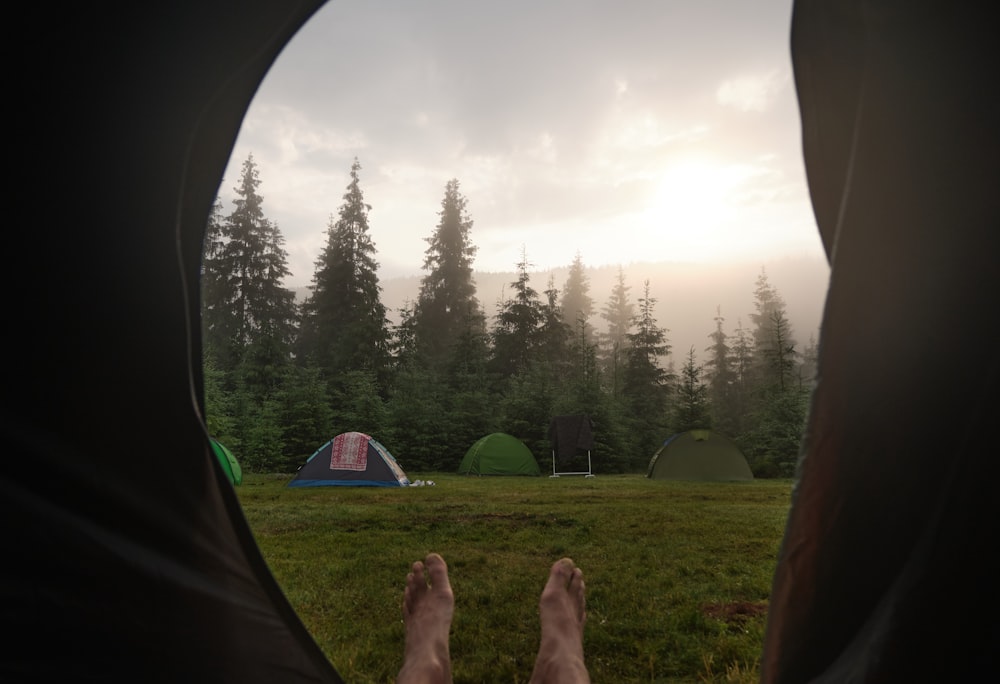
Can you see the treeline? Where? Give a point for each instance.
(282, 378)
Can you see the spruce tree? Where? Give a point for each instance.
(469, 406)
(619, 312)
(778, 401)
(250, 317)
(446, 305)
(218, 321)
(517, 327)
(779, 354)
(742, 351)
(646, 380)
(554, 334)
(769, 313)
(722, 380)
(810, 364)
(344, 323)
(576, 304)
(307, 414)
(581, 392)
(691, 406)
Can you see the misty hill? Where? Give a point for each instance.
(687, 295)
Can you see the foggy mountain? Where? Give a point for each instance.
(687, 295)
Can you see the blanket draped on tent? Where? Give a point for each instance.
(350, 453)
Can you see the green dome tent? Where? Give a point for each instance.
(699, 455)
(499, 454)
(228, 462)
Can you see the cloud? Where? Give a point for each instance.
(751, 93)
(560, 118)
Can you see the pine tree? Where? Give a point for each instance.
(576, 304)
(218, 323)
(647, 346)
(619, 312)
(357, 404)
(440, 349)
(403, 343)
(447, 300)
(743, 361)
(526, 410)
(516, 331)
(344, 323)
(262, 445)
(554, 334)
(646, 381)
(307, 414)
(770, 312)
(213, 341)
(691, 408)
(416, 413)
(810, 364)
(469, 406)
(581, 392)
(583, 367)
(773, 429)
(250, 317)
(219, 415)
(722, 380)
(779, 354)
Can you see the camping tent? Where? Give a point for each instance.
(228, 462)
(892, 504)
(698, 455)
(499, 454)
(351, 459)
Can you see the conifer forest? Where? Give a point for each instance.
(283, 375)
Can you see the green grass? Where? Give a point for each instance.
(678, 574)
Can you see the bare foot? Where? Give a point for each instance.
(428, 605)
(562, 610)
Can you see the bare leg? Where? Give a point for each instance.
(562, 609)
(428, 605)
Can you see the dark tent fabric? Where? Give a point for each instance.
(886, 572)
(351, 459)
(887, 561)
(230, 466)
(132, 564)
(569, 434)
(701, 455)
(499, 454)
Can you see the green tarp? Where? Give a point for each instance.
(499, 454)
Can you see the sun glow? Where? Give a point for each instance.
(692, 208)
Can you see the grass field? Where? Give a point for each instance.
(678, 573)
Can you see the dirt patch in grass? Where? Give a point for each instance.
(735, 614)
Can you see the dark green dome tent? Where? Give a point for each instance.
(699, 455)
(228, 462)
(499, 454)
(889, 515)
(351, 459)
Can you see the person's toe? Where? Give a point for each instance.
(437, 569)
(562, 572)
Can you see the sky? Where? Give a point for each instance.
(622, 132)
